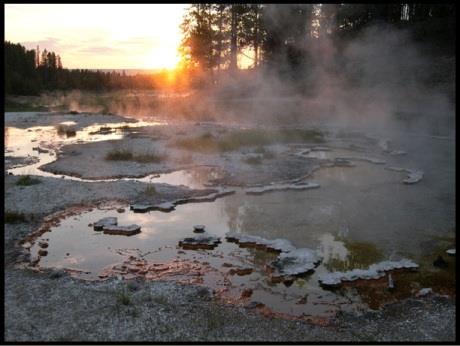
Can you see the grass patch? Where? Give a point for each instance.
(13, 217)
(66, 130)
(103, 130)
(126, 155)
(119, 155)
(148, 158)
(27, 180)
(150, 191)
(251, 137)
(123, 297)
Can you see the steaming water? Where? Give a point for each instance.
(364, 203)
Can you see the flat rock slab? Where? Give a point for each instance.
(170, 206)
(143, 208)
(363, 158)
(201, 241)
(375, 271)
(413, 176)
(140, 208)
(199, 228)
(122, 230)
(280, 187)
(281, 245)
(296, 262)
(106, 221)
(164, 207)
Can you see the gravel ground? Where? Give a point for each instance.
(47, 307)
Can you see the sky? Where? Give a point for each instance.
(115, 36)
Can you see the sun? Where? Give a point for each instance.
(162, 59)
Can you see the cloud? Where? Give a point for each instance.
(50, 43)
(104, 50)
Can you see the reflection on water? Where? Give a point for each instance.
(43, 142)
(359, 216)
(75, 245)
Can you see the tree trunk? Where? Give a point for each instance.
(219, 45)
(256, 38)
(233, 40)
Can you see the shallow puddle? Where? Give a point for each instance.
(357, 217)
(25, 142)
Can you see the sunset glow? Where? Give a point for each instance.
(116, 36)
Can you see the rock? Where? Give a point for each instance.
(164, 207)
(247, 292)
(122, 230)
(374, 271)
(424, 292)
(141, 208)
(120, 210)
(451, 252)
(280, 187)
(295, 262)
(440, 262)
(201, 241)
(281, 245)
(362, 158)
(199, 228)
(43, 244)
(42, 252)
(106, 221)
(413, 177)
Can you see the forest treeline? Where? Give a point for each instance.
(29, 72)
(280, 35)
(217, 37)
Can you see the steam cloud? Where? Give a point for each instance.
(373, 81)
